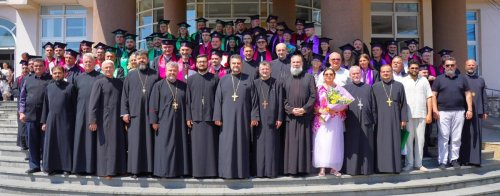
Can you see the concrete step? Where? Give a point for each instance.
(12, 151)
(97, 186)
(487, 189)
(13, 162)
(8, 122)
(8, 116)
(8, 103)
(8, 141)
(5, 133)
(8, 129)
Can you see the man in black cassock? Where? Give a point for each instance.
(104, 117)
(135, 111)
(392, 115)
(299, 98)
(72, 68)
(281, 65)
(167, 106)
(30, 111)
(266, 145)
(470, 149)
(359, 138)
(85, 141)
(236, 111)
(250, 66)
(200, 97)
(58, 122)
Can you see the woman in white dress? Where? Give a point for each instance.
(328, 130)
(5, 81)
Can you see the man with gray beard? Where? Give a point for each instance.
(451, 96)
(134, 112)
(300, 95)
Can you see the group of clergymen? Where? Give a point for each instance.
(213, 112)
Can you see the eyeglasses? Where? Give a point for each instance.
(328, 74)
(335, 59)
(449, 65)
(261, 42)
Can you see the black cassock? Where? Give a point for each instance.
(251, 68)
(470, 149)
(59, 116)
(200, 97)
(85, 141)
(388, 129)
(172, 156)
(266, 145)
(236, 114)
(104, 109)
(72, 73)
(300, 92)
(22, 138)
(140, 135)
(359, 136)
(280, 69)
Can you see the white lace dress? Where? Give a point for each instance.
(4, 85)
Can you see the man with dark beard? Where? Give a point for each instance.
(137, 87)
(168, 118)
(58, 118)
(200, 97)
(129, 49)
(470, 150)
(299, 98)
(85, 141)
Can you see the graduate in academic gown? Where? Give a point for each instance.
(104, 117)
(200, 97)
(359, 138)
(392, 115)
(236, 111)
(168, 55)
(22, 140)
(470, 150)
(85, 141)
(129, 49)
(137, 87)
(167, 106)
(58, 117)
(299, 98)
(72, 69)
(266, 145)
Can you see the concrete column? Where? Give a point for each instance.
(341, 22)
(449, 26)
(110, 15)
(175, 11)
(286, 12)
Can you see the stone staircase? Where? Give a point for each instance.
(465, 181)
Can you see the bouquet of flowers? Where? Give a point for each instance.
(336, 100)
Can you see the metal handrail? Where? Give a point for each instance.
(493, 91)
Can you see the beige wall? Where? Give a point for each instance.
(489, 41)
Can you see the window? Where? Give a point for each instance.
(394, 21)
(472, 36)
(63, 23)
(7, 34)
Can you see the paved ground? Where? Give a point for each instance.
(491, 130)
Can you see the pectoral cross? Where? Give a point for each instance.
(360, 105)
(264, 104)
(389, 102)
(203, 101)
(175, 105)
(143, 90)
(234, 96)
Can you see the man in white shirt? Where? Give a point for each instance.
(418, 96)
(397, 67)
(341, 74)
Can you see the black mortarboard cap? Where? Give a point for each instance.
(247, 32)
(309, 25)
(59, 45)
(86, 43)
(261, 36)
(325, 39)
(216, 52)
(282, 24)
(287, 30)
(232, 37)
(271, 17)
(34, 57)
(307, 45)
(163, 21)
(23, 62)
(111, 49)
(48, 44)
(239, 20)
(206, 30)
(216, 34)
(71, 52)
(445, 52)
(347, 46)
(259, 30)
(168, 42)
(411, 41)
(391, 42)
(219, 22)
(119, 32)
(229, 23)
(425, 49)
(183, 25)
(130, 36)
(148, 38)
(100, 45)
(376, 44)
(187, 44)
(201, 19)
(300, 20)
(254, 17)
(423, 67)
(318, 57)
(153, 35)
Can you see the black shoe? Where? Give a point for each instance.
(27, 159)
(442, 166)
(67, 173)
(455, 164)
(30, 171)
